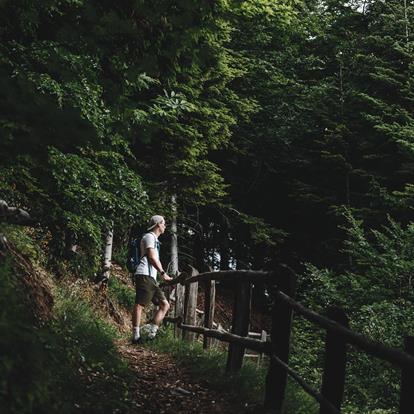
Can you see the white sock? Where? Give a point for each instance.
(136, 332)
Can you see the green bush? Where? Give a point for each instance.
(121, 292)
(376, 293)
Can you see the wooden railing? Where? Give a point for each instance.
(336, 324)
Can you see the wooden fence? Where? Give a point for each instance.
(336, 324)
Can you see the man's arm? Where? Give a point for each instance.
(156, 263)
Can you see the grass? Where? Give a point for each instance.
(87, 343)
(121, 293)
(69, 364)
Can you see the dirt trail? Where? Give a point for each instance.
(161, 386)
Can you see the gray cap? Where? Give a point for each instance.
(154, 221)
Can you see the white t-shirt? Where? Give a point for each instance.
(148, 240)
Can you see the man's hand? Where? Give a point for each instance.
(166, 277)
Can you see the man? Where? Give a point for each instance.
(146, 286)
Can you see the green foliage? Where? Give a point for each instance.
(66, 155)
(60, 360)
(121, 292)
(264, 118)
(27, 241)
(298, 401)
(377, 296)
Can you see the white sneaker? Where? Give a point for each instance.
(153, 331)
(145, 330)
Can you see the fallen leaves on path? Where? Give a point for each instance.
(161, 386)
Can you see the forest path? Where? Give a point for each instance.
(162, 386)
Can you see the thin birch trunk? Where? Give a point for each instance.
(107, 262)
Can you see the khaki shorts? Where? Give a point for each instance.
(147, 290)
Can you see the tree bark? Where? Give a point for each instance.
(179, 289)
(224, 245)
(174, 240)
(107, 262)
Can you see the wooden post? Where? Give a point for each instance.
(209, 304)
(240, 325)
(276, 378)
(333, 379)
(190, 307)
(407, 381)
(179, 306)
(263, 337)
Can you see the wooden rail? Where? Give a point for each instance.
(335, 323)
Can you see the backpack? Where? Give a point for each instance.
(133, 257)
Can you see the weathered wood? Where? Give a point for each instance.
(233, 275)
(333, 379)
(280, 343)
(258, 356)
(172, 319)
(263, 338)
(407, 381)
(307, 388)
(179, 307)
(224, 336)
(177, 279)
(190, 307)
(240, 324)
(395, 356)
(209, 305)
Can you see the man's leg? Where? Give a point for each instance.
(163, 306)
(143, 294)
(161, 312)
(136, 319)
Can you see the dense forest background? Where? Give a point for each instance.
(279, 131)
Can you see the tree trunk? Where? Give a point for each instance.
(174, 241)
(224, 246)
(179, 289)
(107, 262)
(199, 245)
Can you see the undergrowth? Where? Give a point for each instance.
(68, 365)
(121, 292)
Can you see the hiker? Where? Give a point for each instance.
(146, 286)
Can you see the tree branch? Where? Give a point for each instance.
(14, 215)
